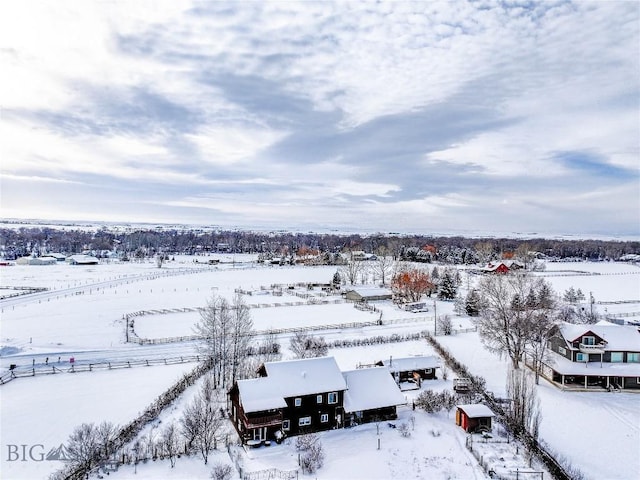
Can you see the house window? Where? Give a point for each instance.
(297, 402)
(332, 397)
(580, 357)
(324, 418)
(589, 340)
(304, 421)
(633, 357)
(616, 357)
(562, 350)
(286, 424)
(319, 399)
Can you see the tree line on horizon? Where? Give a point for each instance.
(25, 241)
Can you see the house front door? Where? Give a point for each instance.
(260, 434)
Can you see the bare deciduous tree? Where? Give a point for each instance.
(352, 270)
(241, 327)
(383, 266)
(511, 307)
(169, 442)
(524, 413)
(83, 446)
(201, 423)
(106, 434)
(445, 325)
(226, 330)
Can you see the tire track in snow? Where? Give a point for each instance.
(621, 417)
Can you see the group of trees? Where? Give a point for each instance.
(88, 443)
(23, 240)
(226, 329)
(516, 316)
(202, 421)
(411, 284)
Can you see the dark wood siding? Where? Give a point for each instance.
(310, 408)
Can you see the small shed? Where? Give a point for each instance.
(474, 417)
(368, 294)
(412, 369)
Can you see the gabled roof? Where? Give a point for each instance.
(82, 259)
(412, 363)
(476, 410)
(306, 376)
(259, 394)
(371, 388)
(368, 291)
(618, 337)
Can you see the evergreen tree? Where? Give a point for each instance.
(448, 287)
(336, 281)
(472, 303)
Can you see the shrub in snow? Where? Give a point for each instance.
(429, 401)
(404, 430)
(308, 346)
(432, 402)
(305, 442)
(221, 471)
(312, 453)
(445, 325)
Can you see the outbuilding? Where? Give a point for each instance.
(412, 369)
(474, 417)
(371, 396)
(368, 294)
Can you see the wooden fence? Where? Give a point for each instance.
(21, 372)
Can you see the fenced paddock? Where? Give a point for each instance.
(22, 372)
(503, 459)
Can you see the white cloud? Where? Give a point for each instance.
(226, 145)
(148, 91)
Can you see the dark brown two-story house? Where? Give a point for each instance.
(289, 398)
(310, 395)
(602, 355)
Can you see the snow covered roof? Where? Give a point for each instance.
(368, 291)
(290, 379)
(476, 410)
(82, 260)
(306, 376)
(412, 363)
(259, 394)
(57, 256)
(370, 388)
(618, 337)
(36, 261)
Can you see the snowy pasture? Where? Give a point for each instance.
(44, 410)
(82, 316)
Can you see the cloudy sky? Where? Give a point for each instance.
(423, 116)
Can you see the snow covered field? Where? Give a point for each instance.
(43, 410)
(81, 317)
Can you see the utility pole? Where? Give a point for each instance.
(435, 319)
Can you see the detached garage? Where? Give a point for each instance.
(474, 418)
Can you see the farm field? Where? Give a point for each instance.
(81, 316)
